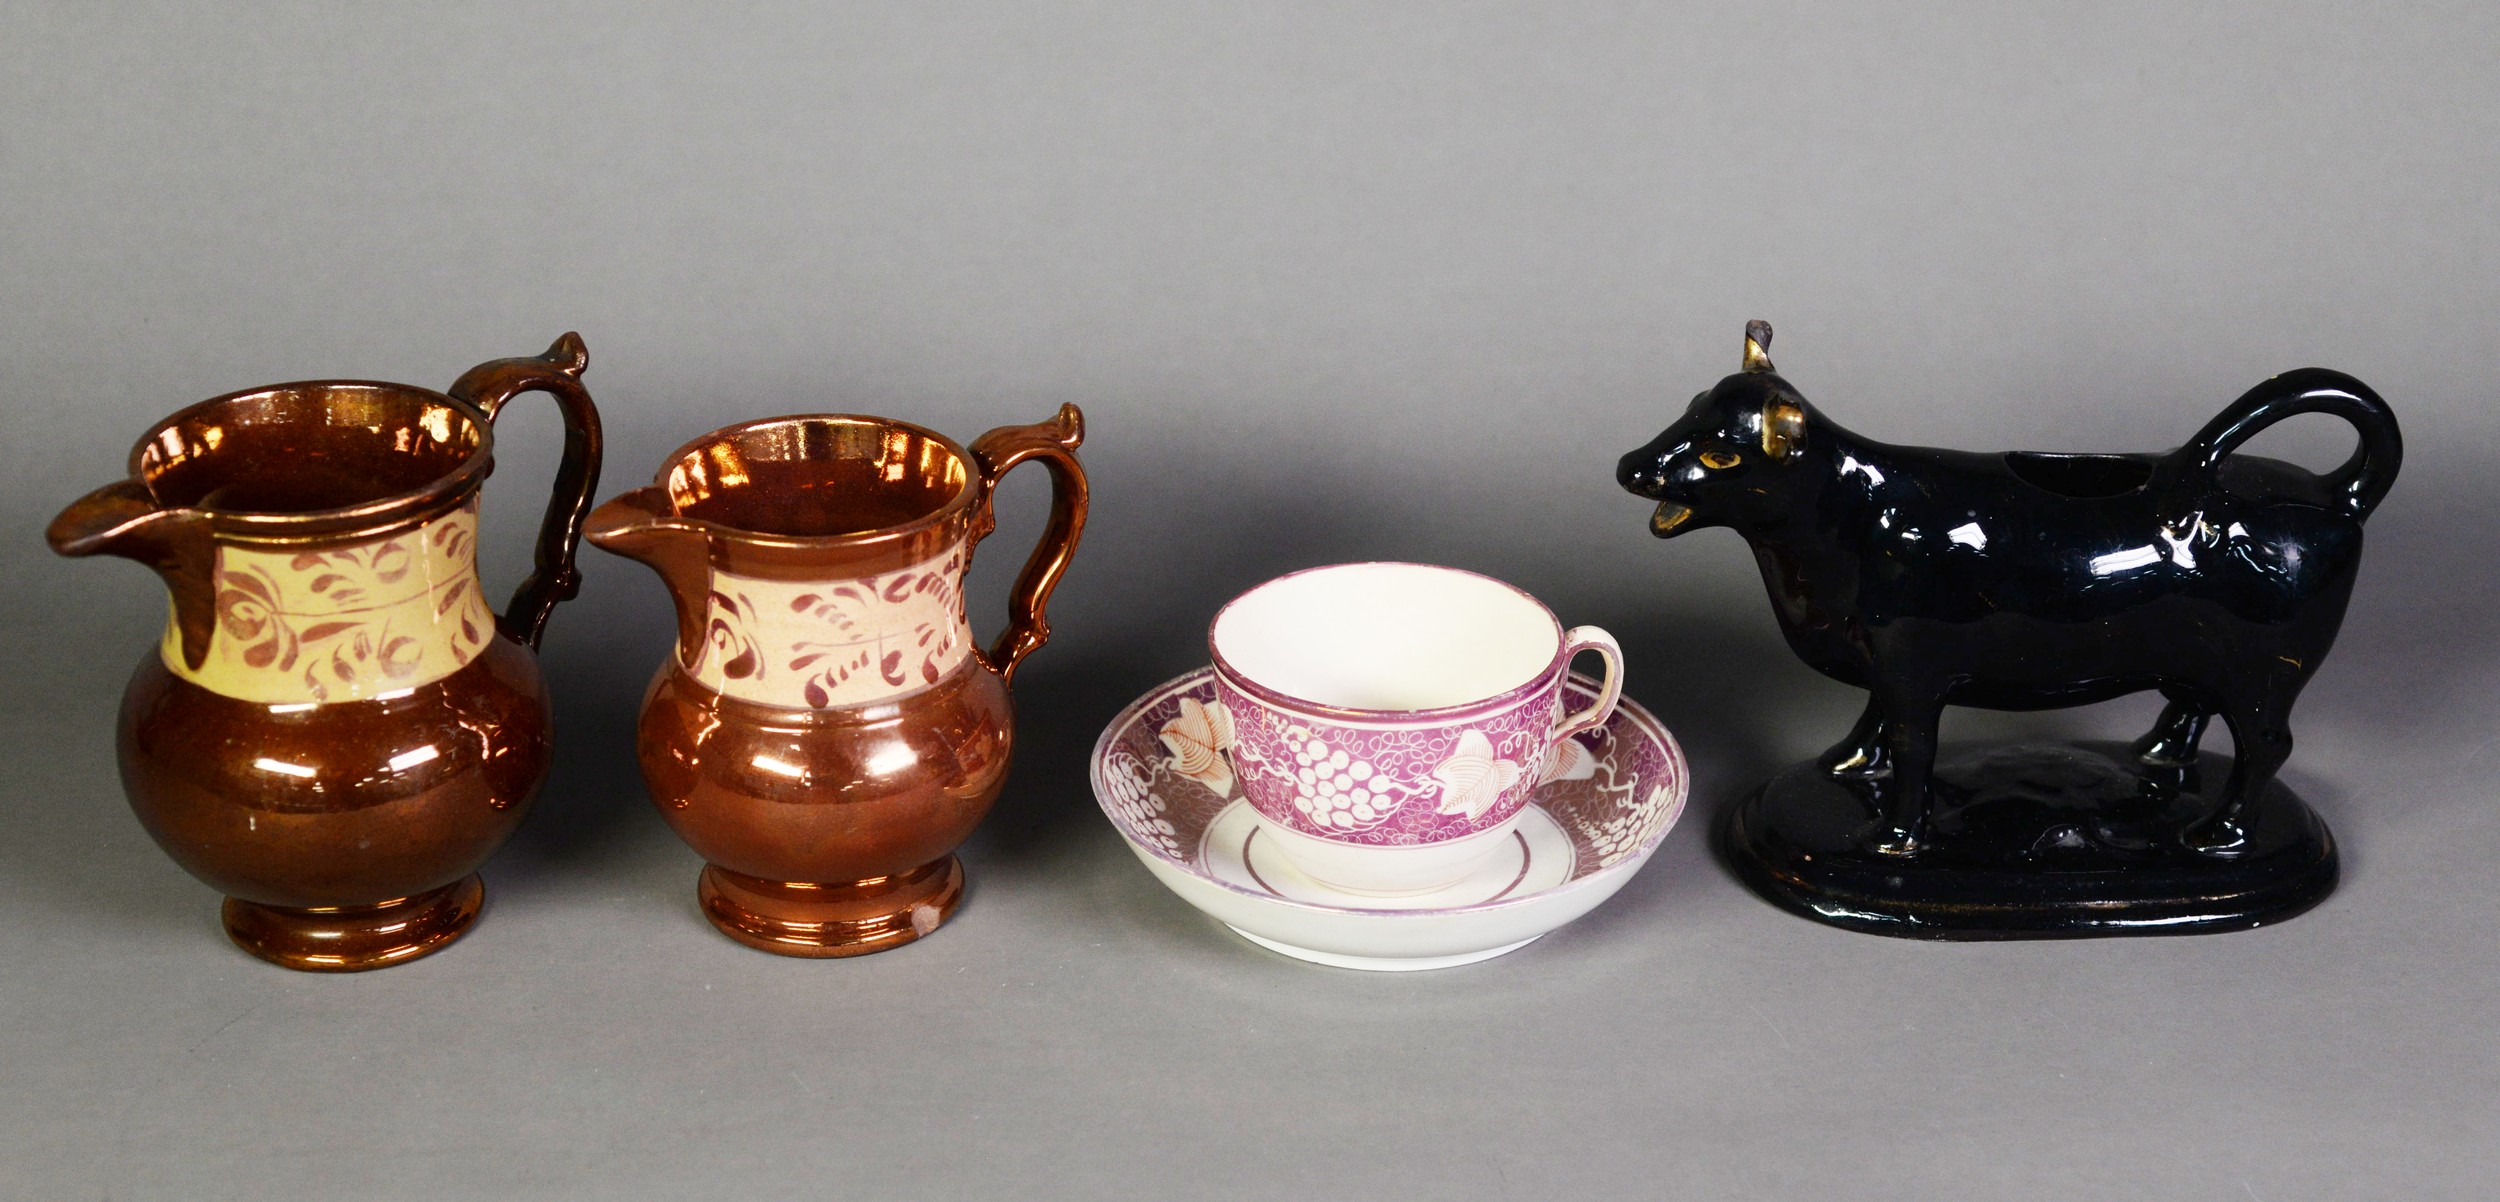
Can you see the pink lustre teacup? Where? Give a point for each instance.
(1389, 720)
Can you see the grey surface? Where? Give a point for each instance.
(1331, 282)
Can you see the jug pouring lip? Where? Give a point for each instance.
(463, 433)
(684, 471)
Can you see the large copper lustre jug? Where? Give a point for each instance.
(827, 731)
(335, 731)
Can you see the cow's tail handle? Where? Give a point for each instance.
(2358, 485)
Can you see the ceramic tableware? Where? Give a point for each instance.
(1596, 811)
(1388, 720)
(2026, 581)
(335, 731)
(827, 732)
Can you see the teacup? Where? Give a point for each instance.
(1389, 720)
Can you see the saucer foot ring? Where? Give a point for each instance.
(2043, 841)
(356, 938)
(800, 918)
(1381, 963)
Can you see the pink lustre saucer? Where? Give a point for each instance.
(1607, 801)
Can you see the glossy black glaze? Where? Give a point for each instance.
(2031, 842)
(2029, 581)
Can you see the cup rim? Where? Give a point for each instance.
(1548, 676)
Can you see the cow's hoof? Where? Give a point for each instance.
(2221, 840)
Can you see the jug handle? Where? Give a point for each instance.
(558, 374)
(1054, 442)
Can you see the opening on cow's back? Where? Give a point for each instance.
(2080, 475)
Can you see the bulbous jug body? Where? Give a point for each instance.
(335, 730)
(828, 731)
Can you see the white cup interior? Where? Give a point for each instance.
(1386, 636)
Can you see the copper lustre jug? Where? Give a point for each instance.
(827, 731)
(335, 731)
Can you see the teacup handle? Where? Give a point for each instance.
(1054, 442)
(558, 373)
(1609, 689)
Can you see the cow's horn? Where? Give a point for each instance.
(1758, 345)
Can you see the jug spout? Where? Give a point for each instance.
(642, 525)
(123, 519)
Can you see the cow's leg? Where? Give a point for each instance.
(1912, 714)
(2261, 740)
(2173, 739)
(1864, 754)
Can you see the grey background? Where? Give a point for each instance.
(1331, 281)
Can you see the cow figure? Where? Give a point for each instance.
(2026, 581)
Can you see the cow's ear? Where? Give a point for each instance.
(1783, 428)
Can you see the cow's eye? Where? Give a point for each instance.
(1718, 460)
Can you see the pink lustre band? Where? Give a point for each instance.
(826, 643)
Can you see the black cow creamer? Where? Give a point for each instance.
(2024, 581)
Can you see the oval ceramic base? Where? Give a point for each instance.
(1381, 963)
(2041, 841)
(1600, 809)
(822, 920)
(356, 938)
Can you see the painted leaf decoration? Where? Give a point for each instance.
(816, 695)
(899, 589)
(799, 604)
(1568, 760)
(928, 670)
(1197, 739)
(393, 561)
(261, 655)
(325, 630)
(726, 636)
(323, 582)
(891, 667)
(1472, 779)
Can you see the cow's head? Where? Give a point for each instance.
(1735, 457)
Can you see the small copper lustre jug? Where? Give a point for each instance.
(335, 731)
(827, 732)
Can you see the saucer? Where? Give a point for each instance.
(1607, 801)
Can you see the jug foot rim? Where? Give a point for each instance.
(824, 920)
(356, 938)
